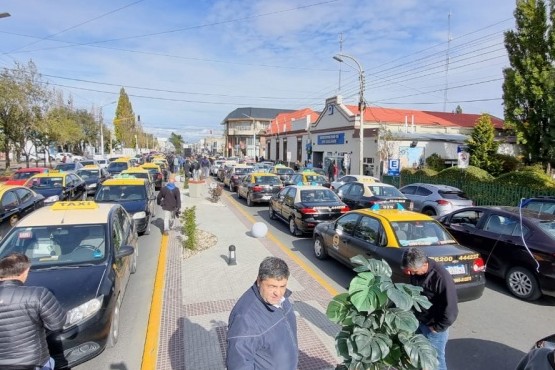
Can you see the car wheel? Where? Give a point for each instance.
(293, 229)
(133, 268)
(249, 200)
(271, 213)
(429, 211)
(320, 248)
(523, 284)
(114, 326)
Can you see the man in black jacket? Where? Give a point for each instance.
(26, 312)
(440, 289)
(169, 198)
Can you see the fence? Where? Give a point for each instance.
(482, 193)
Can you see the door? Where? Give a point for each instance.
(342, 238)
(10, 211)
(463, 226)
(353, 195)
(288, 204)
(366, 236)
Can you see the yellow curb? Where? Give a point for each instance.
(150, 350)
(293, 256)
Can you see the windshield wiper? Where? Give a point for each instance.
(64, 267)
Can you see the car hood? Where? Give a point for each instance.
(72, 286)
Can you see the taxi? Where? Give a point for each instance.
(156, 173)
(93, 175)
(282, 171)
(135, 195)
(139, 173)
(84, 253)
(350, 178)
(16, 201)
(164, 167)
(118, 165)
(308, 177)
(384, 231)
(365, 194)
(56, 186)
(258, 187)
(20, 176)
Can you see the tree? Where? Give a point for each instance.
(177, 142)
(528, 88)
(458, 110)
(482, 146)
(124, 122)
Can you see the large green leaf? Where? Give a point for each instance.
(342, 344)
(401, 320)
(420, 352)
(378, 267)
(400, 298)
(338, 308)
(371, 346)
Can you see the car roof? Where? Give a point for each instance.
(68, 213)
(32, 169)
(308, 187)
(5, 187)
(124, 181)
(135, 170)
(52, 173)
(516, 211)
(263, 174)
(364, 178)
(394, 214)
(89, 167)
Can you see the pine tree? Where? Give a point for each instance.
(482, 146)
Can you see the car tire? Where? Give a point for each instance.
(293, 229)
(523, 284)
(319, 248)
(114, 326)
(271, 213)
(429, 211)
(249, 200)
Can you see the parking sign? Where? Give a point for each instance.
(394, 167)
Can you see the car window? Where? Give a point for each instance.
(356, 190)
(65, 166)
(23, 175)
(368, 229)
(385, 191)
(9, 200)
(466, 218)
(541, 206)
(318, 196)
(290, 196)
(270, 180)
(409, 189)
(501, 225)
(117, 231)
(347, 223)
(421, 233)
(24, 194)
(423, 191)
(86, 174)
(452, 194)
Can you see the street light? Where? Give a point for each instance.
(102, 128)
(361, 107)
(253, 134)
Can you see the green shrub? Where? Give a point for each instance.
(465, 174)
(435, 162)
(189, 228)
(528, 177)
(425, 172)
(509, 163)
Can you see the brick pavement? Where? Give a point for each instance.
(201, 291)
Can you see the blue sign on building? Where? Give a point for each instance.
(331, 139)
(394, 167)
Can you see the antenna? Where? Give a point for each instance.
(340, 52)
(447, 61)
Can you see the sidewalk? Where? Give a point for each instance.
(200, 292)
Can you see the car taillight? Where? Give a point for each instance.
(257, 188)
(479, 265)
(442, 202)
(345, 209)
(308, 211)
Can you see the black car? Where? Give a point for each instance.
(235, 175)
(58, 186)
(16, 202)
(364, 195)
(304, 207)
(518, 245)
(258, 187)
(93, 176)
(84, 253)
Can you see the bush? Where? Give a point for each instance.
(469, 173)
(509, 163)
(189, 228)
(532, 177)
(425, 172)
(435, 162)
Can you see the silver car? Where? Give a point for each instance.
(436, 199)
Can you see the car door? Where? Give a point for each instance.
(288, 204)
(121, 231)
(9, 211)
(355, 192)
(276, 201)
(342, 237)
(366, 237)
(242, 189)
(27, 200)
(80, 187)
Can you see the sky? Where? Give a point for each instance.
(186, 64)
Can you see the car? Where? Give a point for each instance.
(258, 187)
(56, 186)
(88, 162)
(102, 162)
(84, 253)
(282, 171)
(139, 173)
(545, 204)
(215, 166)
(235, 174)
(135, 195)
(118, 165)
(364, 195)
(155, 172)
(223, 169)
(16, 201)
(307, 178)
(436, 199)
(68, 166)
(384, 234)
(350, 178)
(94, 176)
(303, 207)
(60, 156)
(20, 176)
(518, 245)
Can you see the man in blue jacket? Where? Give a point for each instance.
(262, 332)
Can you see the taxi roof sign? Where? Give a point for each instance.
(68, 206)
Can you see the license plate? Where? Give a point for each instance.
(456, 269)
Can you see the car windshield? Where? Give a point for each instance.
(120, 193)
(48, 246)
(117, 166)
(318, 196)
(88, 174)
(285, 171)
(421, 233)
(45, 182)
(270, 180)
(23, 175)
(318, 179)
(65, 167)
(385, 191)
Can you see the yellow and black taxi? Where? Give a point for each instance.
(304, 207)
(156, 173)
(307, 177)
(351, 178)
(383, 233)
(258, 187)
(118, 165)
(139, 173)
(58, 186)
(94, 176)
(282, 171)
(135, 195)
(84, 253)
(16, 201)
(365, 194)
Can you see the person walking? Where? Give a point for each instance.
(26, 312)
(439, 287)
(169, 198)
(262, 330)
(331, 171)
(335, 171)
(176, 164)
(538, 359)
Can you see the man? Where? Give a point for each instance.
(538, 359)
(262, 331)
(169, 197)
(26, 312)
(440, 289)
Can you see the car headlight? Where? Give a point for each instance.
(139, 215)
(91, 186)
(83, 312)
(51, 199)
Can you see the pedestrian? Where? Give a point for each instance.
(64, 159)
(169, 198)
(26, 313)
(335, 171)
(262, 330)
(331, 171)
(175, 164)
(205, 166)
(538, 359)
(439, 287)
(187, 168)
(196, 170)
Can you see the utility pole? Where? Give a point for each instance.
(447, 60)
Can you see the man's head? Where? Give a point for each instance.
(273, 274)
(171, 178)
(14, 266)
(414, 261)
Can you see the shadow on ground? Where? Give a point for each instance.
(479, 354)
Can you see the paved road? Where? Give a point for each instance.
(493, 332)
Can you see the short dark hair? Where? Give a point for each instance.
(273, 268)
(13, 264)
(413, 258)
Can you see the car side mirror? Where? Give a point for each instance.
(125, 251)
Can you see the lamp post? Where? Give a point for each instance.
(102, 128)
(253, 134)
(361, 107)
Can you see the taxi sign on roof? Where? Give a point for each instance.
(68, 206)
(91, 167)
(124, 181)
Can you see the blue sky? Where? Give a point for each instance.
(187, 64)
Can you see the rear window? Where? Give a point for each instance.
(270, 180)
(117, 166)
(242, 171)
(86, 174)
(385, 191)
(452, 194)
(285, 171)
(318, 195)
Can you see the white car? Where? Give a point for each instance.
(59, 156)
(350, 178)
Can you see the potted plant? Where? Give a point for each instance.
(378, 327)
